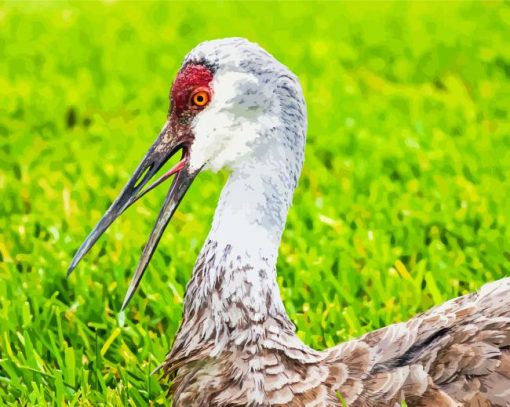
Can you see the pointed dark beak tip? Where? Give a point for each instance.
(76, 259)
(70, 269)
(132, 288)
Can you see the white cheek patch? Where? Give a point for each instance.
(238, 115)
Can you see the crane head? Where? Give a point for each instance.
(223, 108)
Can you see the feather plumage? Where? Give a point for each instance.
(456, 354)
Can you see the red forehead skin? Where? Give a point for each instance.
(190, 78)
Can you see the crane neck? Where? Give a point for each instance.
(233, 294)
(253, 208)
(247, 228)
(234, 290)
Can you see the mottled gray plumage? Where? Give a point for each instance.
(452, 355)
(236, 345)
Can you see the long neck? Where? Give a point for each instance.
(233, 294)
(237, 264)
(252, 210)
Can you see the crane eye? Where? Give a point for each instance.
(200, 98)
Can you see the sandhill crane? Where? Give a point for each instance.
(235, 106)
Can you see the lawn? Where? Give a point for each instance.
(402, 204)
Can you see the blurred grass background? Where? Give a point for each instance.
(404, 200)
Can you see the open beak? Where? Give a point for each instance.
(166, 146)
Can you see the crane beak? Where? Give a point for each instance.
(166, 146)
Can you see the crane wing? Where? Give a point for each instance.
(456, 354)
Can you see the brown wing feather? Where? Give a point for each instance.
(456, 354)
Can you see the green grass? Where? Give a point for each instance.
(404, 200)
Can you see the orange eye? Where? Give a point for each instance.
(200, 98)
